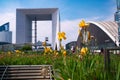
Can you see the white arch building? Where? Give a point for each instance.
(24, 18)
(105, 32)
(110, 28)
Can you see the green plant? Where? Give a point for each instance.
(26, 48)
(71, 66)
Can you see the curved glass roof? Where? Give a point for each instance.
(110, 28)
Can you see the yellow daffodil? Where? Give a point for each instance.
(84, 51)
(48, 50)
(55, 53)
(64, 53)
(61, 35)
(17, 51)
(9, 53)
(82, 24)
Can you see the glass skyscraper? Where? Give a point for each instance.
(117, 18)
(118, 4)
(4, 27)
(5, 34)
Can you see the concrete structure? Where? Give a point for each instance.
(5, 37)
(5, 34)
(105, 34)
(24, 18)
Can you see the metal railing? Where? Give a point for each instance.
(107, 59)
(4, 73)
(28, 72)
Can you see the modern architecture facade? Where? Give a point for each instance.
(117, 18)
(102, 34)
(24, 18)
(5, 34)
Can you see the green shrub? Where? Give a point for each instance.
(26, 48)
(71, 67)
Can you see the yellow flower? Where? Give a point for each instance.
(48, 50)
(61, 35)
(17, 51)
(64, 53)
(9, 53)
(84, 51)
(56, 53)
(82, 24)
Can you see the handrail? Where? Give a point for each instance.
(21, 68)
(51, 73)
(4, 72)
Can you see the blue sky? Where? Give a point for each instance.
(71, 11)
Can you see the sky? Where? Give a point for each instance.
(71, 13)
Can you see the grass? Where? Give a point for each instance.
(69, 67)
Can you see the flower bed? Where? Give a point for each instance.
(67, 67)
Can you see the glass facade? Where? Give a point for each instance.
(118, 4)
(4, 27)
(117, 18)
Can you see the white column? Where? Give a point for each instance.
(20, 27)
(54, 29)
